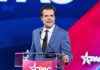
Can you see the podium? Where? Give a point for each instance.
(47, 61)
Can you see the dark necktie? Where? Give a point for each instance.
(44, 45)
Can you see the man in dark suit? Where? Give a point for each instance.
(50, 38)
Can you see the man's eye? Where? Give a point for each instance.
(52, 15)
(45, 16)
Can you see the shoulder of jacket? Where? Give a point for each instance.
(38, 29)
(62, 30)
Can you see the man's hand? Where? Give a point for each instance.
(65, 58)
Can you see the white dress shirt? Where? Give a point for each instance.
(49, 34)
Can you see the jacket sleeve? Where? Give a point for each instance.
(66, 46)
(32, 50)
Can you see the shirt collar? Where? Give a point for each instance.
(50, 30)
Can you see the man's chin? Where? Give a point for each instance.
(48, 27)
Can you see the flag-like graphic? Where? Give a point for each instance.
(85, 36)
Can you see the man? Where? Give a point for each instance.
(50, 38)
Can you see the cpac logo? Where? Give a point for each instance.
(89, 59)
(39, 68)
(45, 1)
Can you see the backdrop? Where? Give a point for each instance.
(81, 18)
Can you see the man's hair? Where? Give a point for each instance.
(47, 7)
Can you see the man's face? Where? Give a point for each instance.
(48, 18)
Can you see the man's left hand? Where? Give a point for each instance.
(65, 58)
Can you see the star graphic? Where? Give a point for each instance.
(33, 67)
(86, 59)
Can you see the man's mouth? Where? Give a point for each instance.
(49, 21)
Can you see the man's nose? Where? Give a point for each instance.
(49, 18)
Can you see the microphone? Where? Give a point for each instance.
(40, 33)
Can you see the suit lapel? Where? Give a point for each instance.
(52, 37)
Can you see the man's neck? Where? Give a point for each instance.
(49, 27)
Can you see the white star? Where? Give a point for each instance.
(33, 67)
(86, 59)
